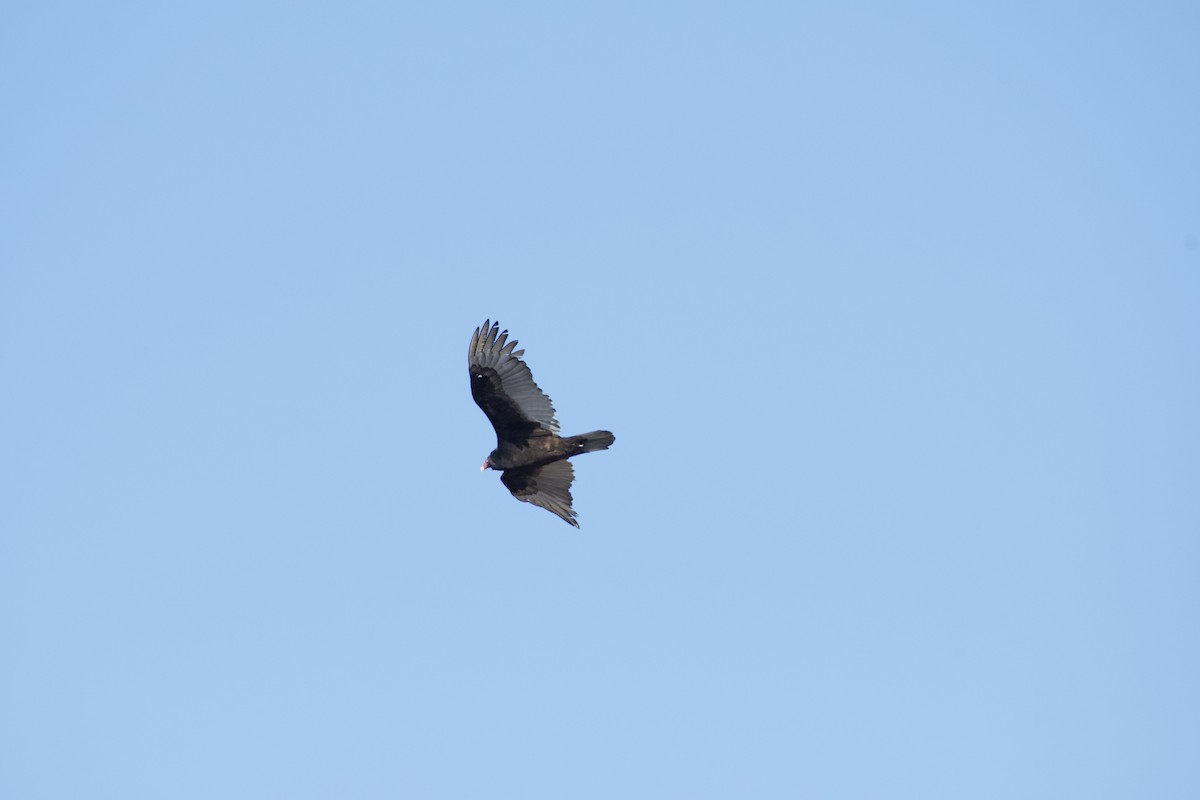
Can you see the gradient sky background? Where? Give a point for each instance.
(895, 314)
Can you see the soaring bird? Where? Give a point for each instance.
(529, 451)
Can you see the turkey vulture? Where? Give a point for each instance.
(529, 450)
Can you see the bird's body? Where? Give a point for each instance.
(529, 451)
(542, 447)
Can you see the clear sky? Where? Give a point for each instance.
(895, 313)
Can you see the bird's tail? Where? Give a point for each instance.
(589, 442)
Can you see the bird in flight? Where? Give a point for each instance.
(529, 451)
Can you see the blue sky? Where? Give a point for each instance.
(895, 314)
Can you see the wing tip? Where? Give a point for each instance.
(491, 338)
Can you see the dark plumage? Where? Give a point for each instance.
(529, 450)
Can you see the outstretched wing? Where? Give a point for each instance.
(548, 486)
(503, 386)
